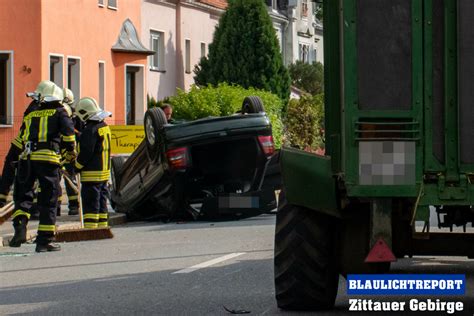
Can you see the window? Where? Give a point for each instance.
(203, 49)
(304, 52)
(102, 85)
(6, 88)
(304, 8)
(157, 45)
(188, 56)
(74, 76)
(112, 4)
(56, 70)
(279, 33)
(315, 55)
(134, 95)
(130, 96)
(272, 3)
(101, 3)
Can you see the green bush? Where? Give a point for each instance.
(304, 123)
(151, 102)
(225, 100)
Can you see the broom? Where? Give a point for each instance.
(69, 235)
(6, 212)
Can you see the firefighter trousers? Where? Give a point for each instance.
(72, 195)
(94, 203)
(47, 175)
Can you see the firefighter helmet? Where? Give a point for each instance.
(86, 108)
(48, 91)
(68, 97)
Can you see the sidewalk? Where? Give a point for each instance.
(63, 222)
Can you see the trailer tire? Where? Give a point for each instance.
(306, 276)
(154, 121)
(252, 104)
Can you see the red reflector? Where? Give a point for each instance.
(178, 158)
(380, 252)
(267, 144)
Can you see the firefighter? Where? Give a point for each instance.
(72, 195)
(41, 133)
(9, 166)
(93, 162)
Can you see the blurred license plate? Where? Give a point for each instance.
(239, 202)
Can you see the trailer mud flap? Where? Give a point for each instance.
(308, 181)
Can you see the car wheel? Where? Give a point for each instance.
(115, 177)
(154, 121)
(252, 104)
(306, 275)
(116, 170)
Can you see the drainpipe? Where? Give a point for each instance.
(179, 50)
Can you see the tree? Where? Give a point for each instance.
(245, 51)
(318, 10)
(307, 77)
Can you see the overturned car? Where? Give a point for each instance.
(208, 168)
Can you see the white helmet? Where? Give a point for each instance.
(48, 91)
(88, 109)
(68, 98)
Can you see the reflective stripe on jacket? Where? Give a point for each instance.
(94, 152)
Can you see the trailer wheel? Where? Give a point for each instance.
(154, 121)
(252, 104)
(306, 276)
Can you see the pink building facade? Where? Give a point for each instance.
(82, 45)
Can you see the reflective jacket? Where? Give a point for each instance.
(17, 141)
(43, 129)
(93, 160)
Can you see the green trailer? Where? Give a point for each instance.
(399, 104)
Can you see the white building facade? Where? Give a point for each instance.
(180, 31)
(299, 31)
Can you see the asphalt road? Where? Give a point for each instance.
(169, 269)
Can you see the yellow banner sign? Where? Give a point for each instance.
(126, 138)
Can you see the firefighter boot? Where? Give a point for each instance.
(19, 224)
(73, 210)
(47, 247)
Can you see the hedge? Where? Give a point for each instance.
(225, 100)
(304, 123)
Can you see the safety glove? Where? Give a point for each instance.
(70, 156)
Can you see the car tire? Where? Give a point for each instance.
(116, 170)
(252, 104)
(115, 177)
(154, 121)
(306, 276)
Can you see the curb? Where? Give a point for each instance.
(114, 220)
